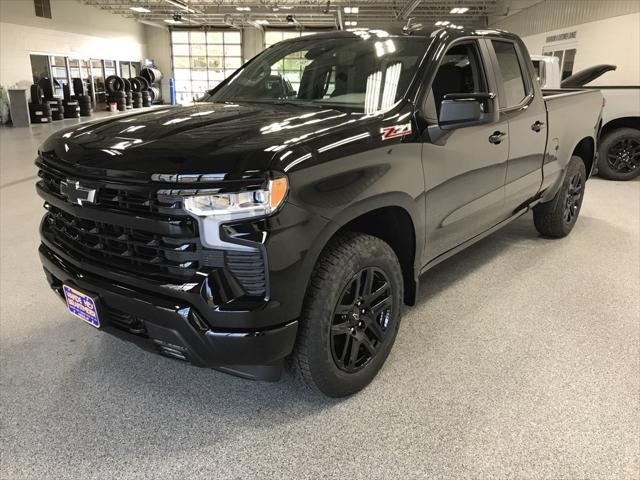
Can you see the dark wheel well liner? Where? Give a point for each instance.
(394, 226)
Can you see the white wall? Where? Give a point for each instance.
(614, 40)
(75, 30)
(158, 49)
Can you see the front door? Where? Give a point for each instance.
(464, 168)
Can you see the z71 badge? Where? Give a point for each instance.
(395, 131)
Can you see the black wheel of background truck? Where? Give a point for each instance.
(351, 315)
(557, 217)
(619, 154)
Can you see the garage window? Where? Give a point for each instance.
(291, 66)
(201, 60)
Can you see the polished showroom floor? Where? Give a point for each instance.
(521, 360)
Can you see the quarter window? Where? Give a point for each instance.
(511, 71)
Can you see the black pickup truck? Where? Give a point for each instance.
(285, 218)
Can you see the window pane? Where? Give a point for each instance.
(232, 50)
(200, 86)
(215, 62)
(512, 79)
(183, 86)
(198, 37)
(181, 62)
(214, 37)
(286, 35)
(216, 75)
(198, 62)
(198, 74)
(272, 37)
(232, 62)
(232, 37)
(181, 49)
(215, 50)
(182, 74)
(180, 37)
(198, 50)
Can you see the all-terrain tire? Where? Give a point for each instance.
(557, 217)
(313, 359)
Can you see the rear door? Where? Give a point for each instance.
(522, 105)
(464, 168)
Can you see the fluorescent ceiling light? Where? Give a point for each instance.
(351, 24)
(351, 9)
(262, 22)
(243, 9)
(182, 5)
(442, 23)
(459, 10)
(140, 9)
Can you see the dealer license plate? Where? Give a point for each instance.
(81, 305)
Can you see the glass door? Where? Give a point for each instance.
(60, 74)
(97, 72)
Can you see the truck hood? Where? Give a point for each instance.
(228, 139)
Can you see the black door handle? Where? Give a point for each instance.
(537, 126)
(497, 137)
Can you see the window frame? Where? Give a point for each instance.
(529, 89)
(484, 57)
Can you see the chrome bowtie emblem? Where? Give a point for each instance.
(76, 193)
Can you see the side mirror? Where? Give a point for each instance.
(467, 109)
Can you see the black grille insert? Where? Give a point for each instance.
(131, 249)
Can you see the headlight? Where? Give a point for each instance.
(252, 203)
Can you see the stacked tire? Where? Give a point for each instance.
(57, 108)
(39, 111)
(71, 108)
(84, 100)
(115, 87)
(153, 76)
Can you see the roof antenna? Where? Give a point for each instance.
(409, 28)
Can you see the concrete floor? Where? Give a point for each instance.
(521, 360)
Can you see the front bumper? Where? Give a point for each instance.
(172, 326)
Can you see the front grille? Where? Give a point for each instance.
(133, 249)
(175, 254)
(122, 198)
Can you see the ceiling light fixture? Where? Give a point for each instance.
(351, 9)
(243, 9)
(442, 23)
(183, 6)
(171, 21)
(351, 24)
(262, 22)
(459, 10)
(140, 9)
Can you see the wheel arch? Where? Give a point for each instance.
(391, 217)
(622, 122)
(586, 150)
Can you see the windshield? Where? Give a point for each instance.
(366, 73)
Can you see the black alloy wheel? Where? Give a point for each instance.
(351, 315)
(361, 319)
(573, 196)
(624, 155)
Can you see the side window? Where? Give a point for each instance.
(512, 78)
(459, 72)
